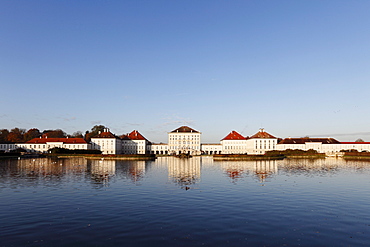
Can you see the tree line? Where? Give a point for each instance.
(18, 135)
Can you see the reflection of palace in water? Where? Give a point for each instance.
(184, 172)
(133, 170)
(51, 167)
(321, 165)
(100, 170)
(105, 169)
(261, 169)
(264, 169)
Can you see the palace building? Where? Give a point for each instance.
(135, 143)
(185, 140)
(43, 144)
(107, 142)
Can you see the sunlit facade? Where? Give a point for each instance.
(107, 143)
(184, 140)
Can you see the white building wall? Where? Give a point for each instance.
(6, 147)
(234, 146)
(44, 147)
(325, 148)
(211, 148)
(159, 148)
(107, 145)
(135, 147)
(260, 145)
(184, 142)
(282, 147)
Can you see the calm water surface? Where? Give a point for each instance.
(192, 202)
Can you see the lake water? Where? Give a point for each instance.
(184, 202)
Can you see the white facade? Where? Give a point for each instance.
(6, 147)
(260, 145)
(235, 143)
(184, 140)
(323, 146)
(135, 143)
(160, 148)
(107, 143)
(43, 148)
(134, 147)
(42, 145)
(211, 148)
(234, 146)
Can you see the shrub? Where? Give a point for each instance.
(73, 151)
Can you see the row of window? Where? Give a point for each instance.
(183, 142)
(133, 147)
(180, 147)
(235, 147)
(184, 137)
(265, 147)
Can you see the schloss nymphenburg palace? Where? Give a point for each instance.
(187, 140)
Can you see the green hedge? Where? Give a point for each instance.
(73, 151)
(292, 152)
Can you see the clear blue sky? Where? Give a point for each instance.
(296, 68)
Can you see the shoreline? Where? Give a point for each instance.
(106, 156)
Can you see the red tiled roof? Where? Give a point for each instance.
(64, 140)
(185, 129)
(262, 134)
(233, 135)
(135, 135)
(307, 139)
(355, 142)
(124, 137)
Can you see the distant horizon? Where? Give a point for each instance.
(357, 135)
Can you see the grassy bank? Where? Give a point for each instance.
(297, 154)
(357, 155)
(246, 157)
(273, 155)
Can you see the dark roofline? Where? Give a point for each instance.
(184, 129)
(304, 140)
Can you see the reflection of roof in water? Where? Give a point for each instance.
(234, 173)
(184, 179)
